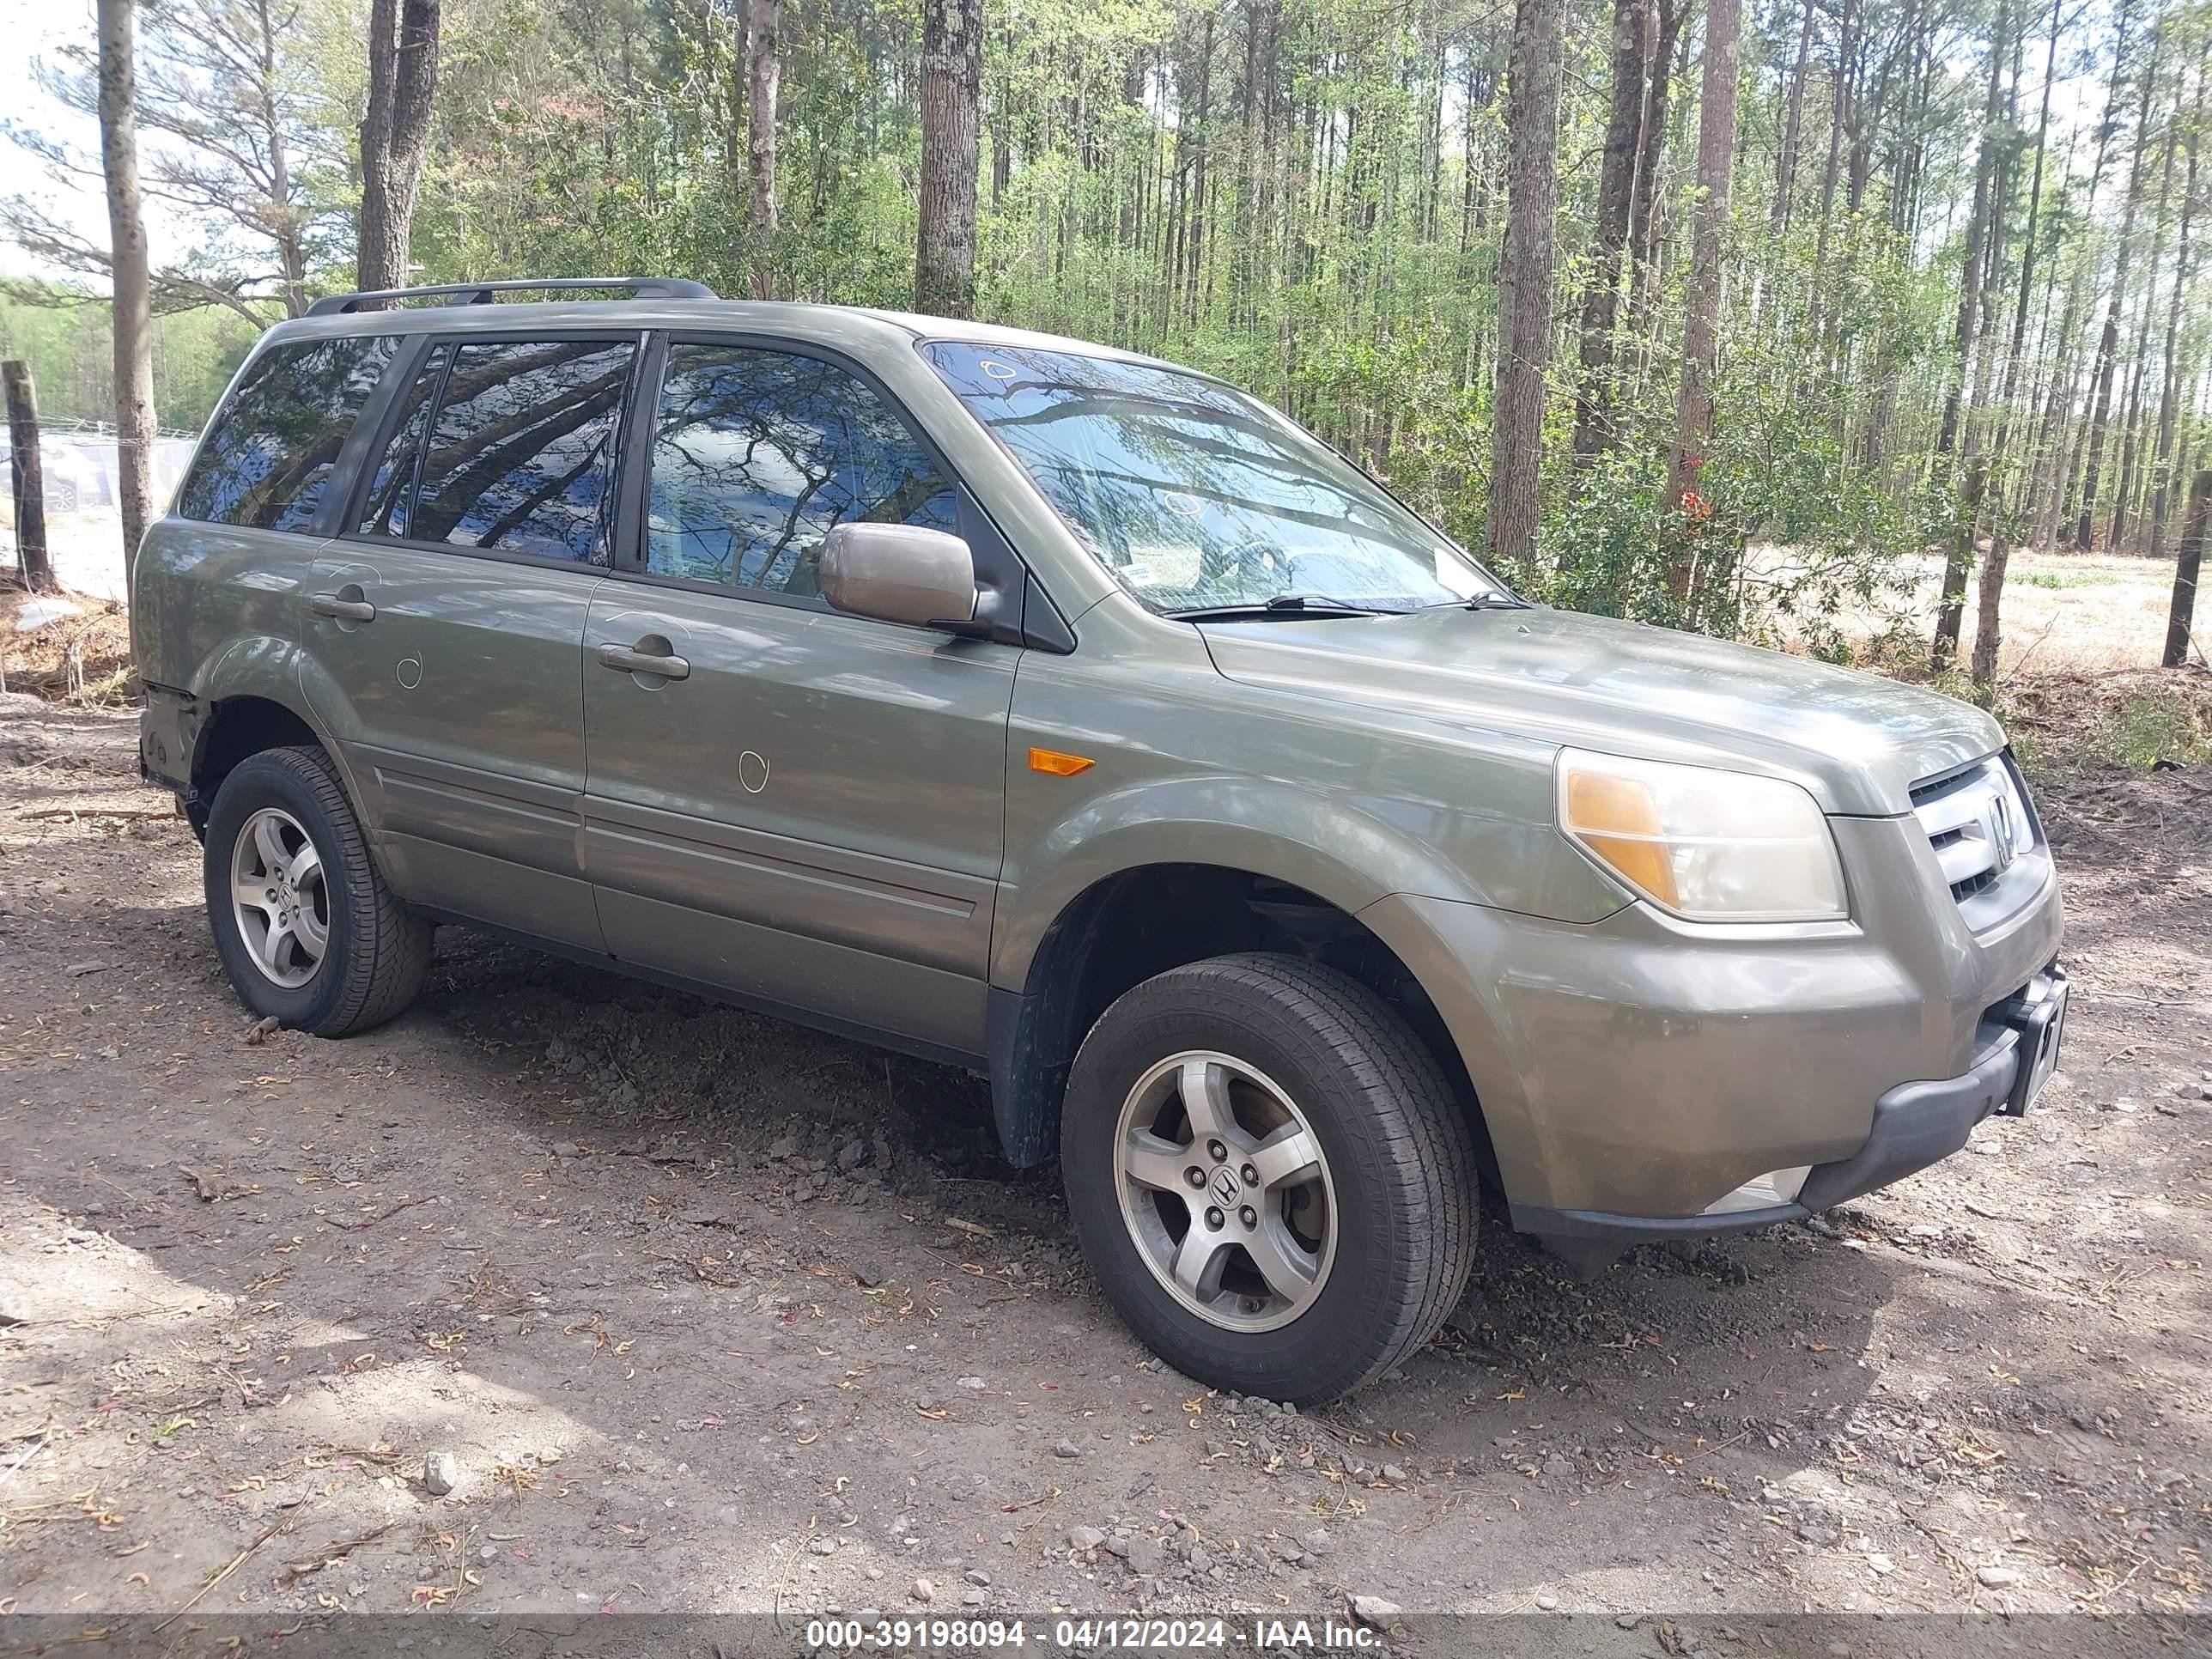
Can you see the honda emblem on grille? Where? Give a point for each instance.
(2003, 837)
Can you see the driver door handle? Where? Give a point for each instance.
(623, 660)
(329, 604)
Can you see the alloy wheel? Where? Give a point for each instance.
(1225, 1191)
(280, 896)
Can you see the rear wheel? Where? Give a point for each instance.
(1270, 1175)
(308, 931)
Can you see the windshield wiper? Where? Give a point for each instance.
(1282, 605)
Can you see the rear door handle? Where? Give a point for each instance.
(623, 660)
(329, 604)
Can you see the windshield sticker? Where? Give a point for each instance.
(1183, 506)
(997, 370)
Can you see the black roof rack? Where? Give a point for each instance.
(481, 294)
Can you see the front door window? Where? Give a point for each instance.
(757, 454)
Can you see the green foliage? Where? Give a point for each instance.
(1800, 518)
(2150, 728)
(2060, 580)
(1307, 198)
(68, 345)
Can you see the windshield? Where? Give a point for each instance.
(1198, 497)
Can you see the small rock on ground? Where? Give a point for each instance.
(1373, 1610)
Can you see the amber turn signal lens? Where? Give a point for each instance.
(1616, 819)
(1059, 765)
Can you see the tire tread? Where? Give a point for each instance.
(390, 956)
(1415, 1121)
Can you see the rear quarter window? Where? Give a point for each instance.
(269, 455)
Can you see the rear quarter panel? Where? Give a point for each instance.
(214, 601)
(215, 614)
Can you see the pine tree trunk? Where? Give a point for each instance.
(736, 82)
(1839, 102)
(1195, 240)
(2101, 406)
(1634, 30)
(1987, 608)
(1693, 408)
(1524, 280)
(2181, 616)
(1950, 608)
(2052, 462)
(764, 73)
(1988, 619)
(2165, 463)
(1643, 214)
(951, 77)
(133, 304)
(1793, 127)
(1969, 280)
(395, 136)
(2132, 418)
(2015, 354)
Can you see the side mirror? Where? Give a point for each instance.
(900, 572)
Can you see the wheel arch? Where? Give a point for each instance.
(1141, 920)
(257, 693)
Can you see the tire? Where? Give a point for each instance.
(1374, 1235)
(336, 953)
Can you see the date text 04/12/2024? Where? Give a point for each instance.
(1086, 1635)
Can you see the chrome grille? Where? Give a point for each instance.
(1976, 820)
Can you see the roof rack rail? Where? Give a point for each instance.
(481, 294)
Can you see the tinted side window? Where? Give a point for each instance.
(520, 457)
(757, 455)
(269, 454)
(392, 491)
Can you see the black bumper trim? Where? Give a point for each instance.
(1918, 1124)
(1915, 1125)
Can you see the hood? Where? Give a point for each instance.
(1858, 741)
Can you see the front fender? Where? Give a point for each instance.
(1271, 828)
(1180, 766)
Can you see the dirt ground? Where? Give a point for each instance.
(699, 1312)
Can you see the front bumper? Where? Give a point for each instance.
(1915, 1125)
(1633, 1072)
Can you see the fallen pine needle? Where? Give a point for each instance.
(259, 1538)
(18, 1464)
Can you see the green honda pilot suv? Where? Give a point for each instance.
(1053, 712)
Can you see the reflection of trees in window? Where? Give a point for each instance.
(1142, 460)
(757, 454)
(390, 493)
(271, 449)
(520, 457)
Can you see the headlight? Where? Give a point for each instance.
(1709, 845)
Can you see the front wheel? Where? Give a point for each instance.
(307, 929)
(1270, 1175)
